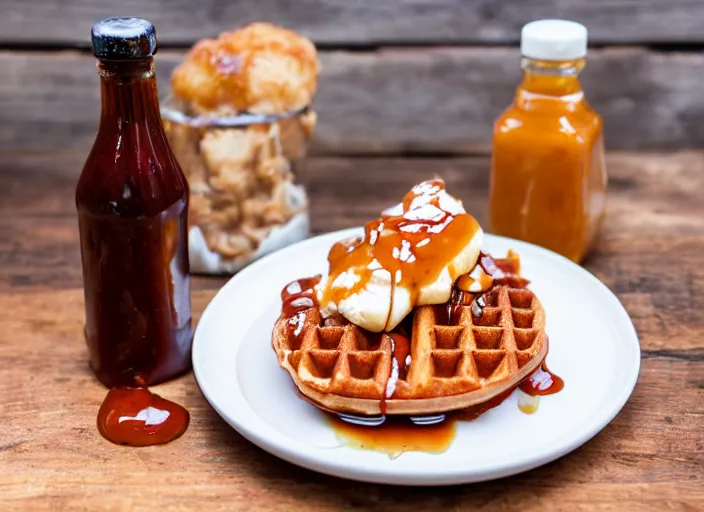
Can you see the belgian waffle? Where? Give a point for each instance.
(346, 369)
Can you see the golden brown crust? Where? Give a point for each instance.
(260, 68)
(339, 368)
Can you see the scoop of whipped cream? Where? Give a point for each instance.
(409, 257)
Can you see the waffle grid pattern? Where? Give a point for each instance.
(445, 359)
(479, 351)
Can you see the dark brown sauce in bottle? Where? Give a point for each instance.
(132, 202)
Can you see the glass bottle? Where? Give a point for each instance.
(132, 202)
(548, 178)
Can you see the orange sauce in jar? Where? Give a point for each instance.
(548, 178)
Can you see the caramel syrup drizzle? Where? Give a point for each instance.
(542, 382)
(412, 249)
(400, 362)
(299, 296)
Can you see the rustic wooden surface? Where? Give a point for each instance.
(52, 457)
(341, 22)
(403, 100)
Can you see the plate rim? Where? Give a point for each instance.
(292, 453)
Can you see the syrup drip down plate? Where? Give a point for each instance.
(593, 347)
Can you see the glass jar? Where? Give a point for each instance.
(548, 177)
(244, 200)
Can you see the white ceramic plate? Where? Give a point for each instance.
(593, 347)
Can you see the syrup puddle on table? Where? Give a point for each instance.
(137, 417)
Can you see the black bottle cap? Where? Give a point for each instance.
(123, 39)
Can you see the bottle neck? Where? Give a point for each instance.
(128, 93)
(556, 79)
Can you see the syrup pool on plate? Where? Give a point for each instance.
(398, 434)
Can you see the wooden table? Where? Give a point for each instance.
(52, 458)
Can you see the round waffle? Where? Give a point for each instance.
(347, 369)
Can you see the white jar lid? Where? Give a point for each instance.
(554, 40)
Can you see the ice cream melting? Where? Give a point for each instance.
(409, 257)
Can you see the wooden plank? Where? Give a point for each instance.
(650, 193)
(649, 253)
(44, 251)
(386, 102)
(648, 458)
(337, 22)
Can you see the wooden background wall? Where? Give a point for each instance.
(399, 76)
